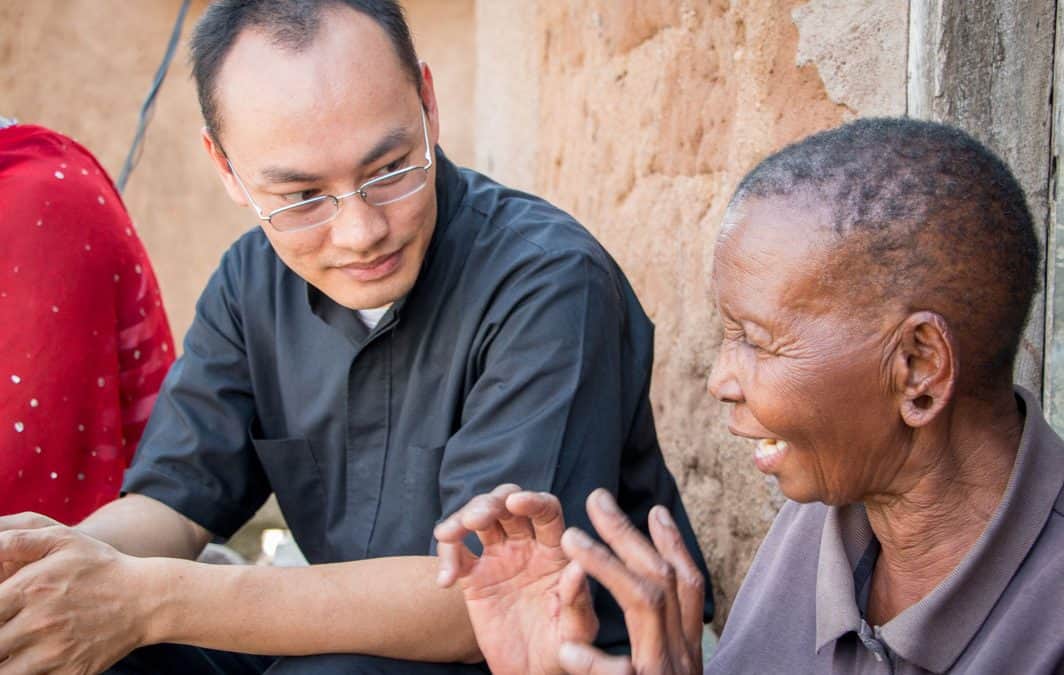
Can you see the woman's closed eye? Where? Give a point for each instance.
(741, 338)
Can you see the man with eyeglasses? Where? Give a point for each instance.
(398, 336)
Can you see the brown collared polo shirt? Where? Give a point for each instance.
(1000, 611)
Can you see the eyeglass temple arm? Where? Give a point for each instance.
(244, 189)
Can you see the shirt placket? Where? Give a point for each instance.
(369, 381)
(872, 639)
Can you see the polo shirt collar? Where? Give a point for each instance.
(450, 191)
(845, 536)
(934, 632)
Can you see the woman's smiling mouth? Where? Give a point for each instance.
(769, 453)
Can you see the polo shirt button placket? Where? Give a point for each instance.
(873, 642)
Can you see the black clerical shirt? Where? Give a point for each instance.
(520, 355)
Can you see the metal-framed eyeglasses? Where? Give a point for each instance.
(380, 191)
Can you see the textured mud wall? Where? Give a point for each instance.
(83, 67)
(444, 36)
(649, 112)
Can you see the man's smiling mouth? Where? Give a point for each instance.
(377, 268)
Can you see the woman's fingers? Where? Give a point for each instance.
(623, 537)
(643, 600)
(690, 584)
(578, 620)
(632, 547)
(580, 659)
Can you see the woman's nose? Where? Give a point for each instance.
(723, 384)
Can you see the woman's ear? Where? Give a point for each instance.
(924, 368)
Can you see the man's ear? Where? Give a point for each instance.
(221, 165)
(428, 99)
(924, 368)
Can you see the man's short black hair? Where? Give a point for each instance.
(925, 213)
(292, 25)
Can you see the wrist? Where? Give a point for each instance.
(155, 585)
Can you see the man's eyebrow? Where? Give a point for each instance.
(280, 174)
(391, 140)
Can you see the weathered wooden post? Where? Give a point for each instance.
(987, 67)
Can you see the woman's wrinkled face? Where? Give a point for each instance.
(804, 361)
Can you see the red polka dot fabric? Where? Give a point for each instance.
(84, 341)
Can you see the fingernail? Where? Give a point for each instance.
(579, 538)
(605, 501)
(443, 575)
(662, 514)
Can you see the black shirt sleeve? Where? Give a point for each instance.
(195, 454)
(546, 408)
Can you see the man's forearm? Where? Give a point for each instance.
(142, 526)
(388, 607)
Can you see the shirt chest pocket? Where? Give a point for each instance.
(295, 477)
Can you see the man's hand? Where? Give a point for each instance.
(658, 586)
(20, 521)
(524, 598)
(71, 607)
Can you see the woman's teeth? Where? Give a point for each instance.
(769, 447)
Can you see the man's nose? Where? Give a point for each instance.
(723, 383)
(358, 227)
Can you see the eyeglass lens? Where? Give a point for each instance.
(324, 209)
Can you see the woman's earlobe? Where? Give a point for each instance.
(918, 411)
(927, 368)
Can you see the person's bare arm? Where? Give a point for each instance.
(141, 526)
(70, 585)
(135, 525)
(388, 607)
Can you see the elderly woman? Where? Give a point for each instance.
(874, 282)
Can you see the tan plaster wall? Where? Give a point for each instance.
(649, 113)
(510, 39)
(445, 38)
